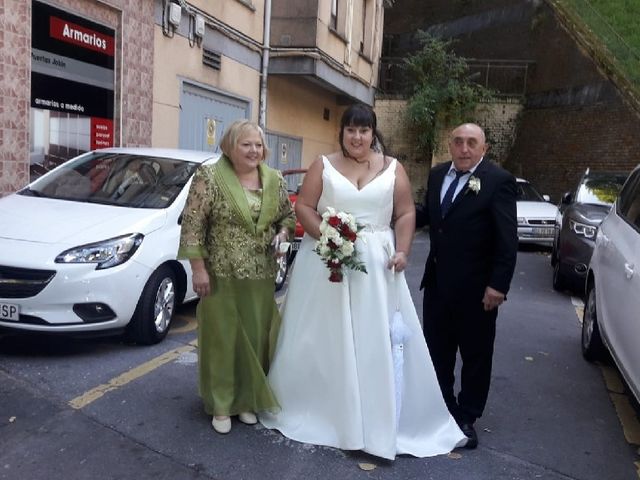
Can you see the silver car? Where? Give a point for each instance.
(611, 319)
(536, 216)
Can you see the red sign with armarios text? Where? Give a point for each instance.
(84, 37)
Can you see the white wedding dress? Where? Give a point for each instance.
(333, 369)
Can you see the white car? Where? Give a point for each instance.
(612, 309)
(536, 216)
(91, 246)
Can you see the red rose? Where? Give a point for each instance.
(334, 221)
(351, 236)
(332, 245)
(335, 276)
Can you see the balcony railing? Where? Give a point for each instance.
(506, 78)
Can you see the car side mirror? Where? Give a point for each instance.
(547, 198)
(566, 198)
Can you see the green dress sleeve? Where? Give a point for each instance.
(196, 216)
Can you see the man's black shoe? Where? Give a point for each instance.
(471, 434)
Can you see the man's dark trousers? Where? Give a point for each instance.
(448, 325)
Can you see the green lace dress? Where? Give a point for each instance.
(231, 229)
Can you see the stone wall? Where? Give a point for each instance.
(499, 120)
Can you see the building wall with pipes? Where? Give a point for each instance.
(314, 69)
(321, 60)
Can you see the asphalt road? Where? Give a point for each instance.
(101, 409)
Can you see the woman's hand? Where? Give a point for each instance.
(200, 278)
(279, 238)
(398, 261)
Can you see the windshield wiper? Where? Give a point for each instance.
(31, 193)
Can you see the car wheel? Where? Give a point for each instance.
(559, 279)
(283, 269)
(152, 317)
(592, 346)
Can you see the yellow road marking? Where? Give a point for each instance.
(625, 412)
(612, 379)
(130, 375)
(191, 324)
(627, 416)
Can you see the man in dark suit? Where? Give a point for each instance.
(470, 206)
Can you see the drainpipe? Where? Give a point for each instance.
(349, 34)
(262, 116)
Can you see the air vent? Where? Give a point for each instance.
(211, 59)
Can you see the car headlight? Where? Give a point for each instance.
(105, 254)
(522, 221)
(587, 231)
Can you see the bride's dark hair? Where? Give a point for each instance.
(361, 115)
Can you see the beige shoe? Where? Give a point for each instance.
(221, 425)
(248, 417)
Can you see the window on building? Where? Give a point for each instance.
(368, 28)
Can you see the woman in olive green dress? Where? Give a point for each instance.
(237, 211)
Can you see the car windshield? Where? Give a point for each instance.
(600, 190)
(121, 179)
(527, 193)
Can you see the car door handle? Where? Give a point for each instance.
(628, 270)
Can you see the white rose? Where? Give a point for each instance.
(347, 249)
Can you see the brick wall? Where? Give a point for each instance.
(556, 145)
(133, 22)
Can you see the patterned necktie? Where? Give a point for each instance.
(447, 201)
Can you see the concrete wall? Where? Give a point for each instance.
(297, 108)
(185, 62)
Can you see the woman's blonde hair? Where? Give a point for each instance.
(236, 131)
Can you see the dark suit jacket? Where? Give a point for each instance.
(476, 244)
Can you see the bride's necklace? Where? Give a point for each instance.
(366, 160)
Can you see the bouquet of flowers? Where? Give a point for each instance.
(336, 246)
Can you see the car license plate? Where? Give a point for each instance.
(545, 232)
(9, 311)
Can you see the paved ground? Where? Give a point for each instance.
(100, 409)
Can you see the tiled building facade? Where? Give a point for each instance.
(133, 25)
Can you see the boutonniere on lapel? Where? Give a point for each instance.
(474, 184)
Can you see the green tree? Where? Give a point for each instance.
(441, 91)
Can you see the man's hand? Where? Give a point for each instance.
(492, 299)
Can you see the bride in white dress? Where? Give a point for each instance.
(333, 370)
